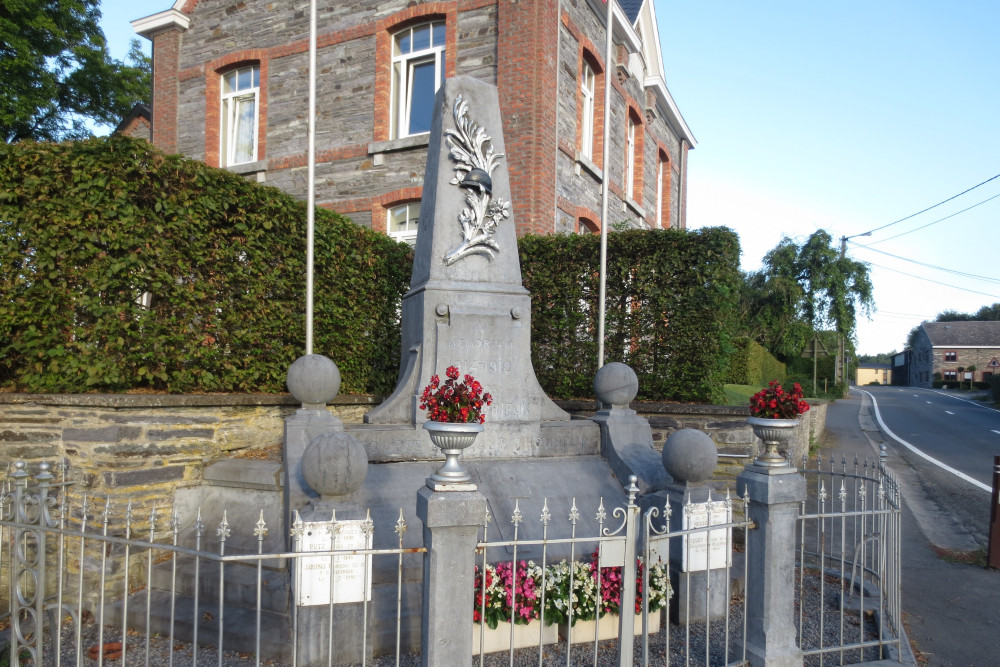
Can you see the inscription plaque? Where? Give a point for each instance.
(706, 550)
(350, 572)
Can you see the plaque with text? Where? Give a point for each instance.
(710, 549)
(352, 574)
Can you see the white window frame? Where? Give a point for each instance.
(228, 114)
(588, 88)
(401, 73)
(410, 234)
(659, 191)
(630, 159)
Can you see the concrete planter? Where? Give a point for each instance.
(583, 631)
(499, 638)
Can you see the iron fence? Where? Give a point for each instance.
(850, 539)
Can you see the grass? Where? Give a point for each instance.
(739, 394)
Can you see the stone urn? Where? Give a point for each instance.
(452, 438)
(775, 433)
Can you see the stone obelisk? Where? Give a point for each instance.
(467, 306)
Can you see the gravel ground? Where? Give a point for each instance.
(684, 647)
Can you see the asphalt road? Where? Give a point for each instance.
(948, 442)
(950, 608)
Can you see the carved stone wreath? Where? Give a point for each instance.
(472, 150)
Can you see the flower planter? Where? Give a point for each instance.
(498, 639)
(583, 631)
(774, 433)
(452, 438)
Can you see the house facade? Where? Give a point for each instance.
(867, 374)
(230, 88)
(949, 351)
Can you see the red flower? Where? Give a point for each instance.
(453, 402)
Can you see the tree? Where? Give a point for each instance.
(58, 74)
(833, 286)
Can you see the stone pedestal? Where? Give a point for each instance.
(775, 497)
(351, 639)
(451, 523)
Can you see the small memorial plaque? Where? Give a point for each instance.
(710, 549)
(351, 572)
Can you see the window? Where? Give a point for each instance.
(950, 376)
(630, 159)
(240, 111)
(951, 356)
(588, 87)
(402, 222)
(417, 73)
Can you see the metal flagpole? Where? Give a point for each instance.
(606, 166)
(311, 195)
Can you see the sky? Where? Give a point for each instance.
(844, 116)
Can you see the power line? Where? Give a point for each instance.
(935, 205)
(936, 282)
(917, 229)
(929, 266)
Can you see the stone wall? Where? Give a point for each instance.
(143, 446)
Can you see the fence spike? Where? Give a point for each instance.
(223, 530)
(199, 525)
(546, 515)
(368, 526)
(574, 513)
(298, 529)
(601, 514)
(516, 517)
(400, 526)
(260, 530)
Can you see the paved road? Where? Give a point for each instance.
(951, 610)
(949, 443)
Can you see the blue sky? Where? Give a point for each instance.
(840, 116)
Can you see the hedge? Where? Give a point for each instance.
(671, 295)
(751, 364)
(87, 228)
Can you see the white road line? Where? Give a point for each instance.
(943, 466)
(948, 412)
(995, 431)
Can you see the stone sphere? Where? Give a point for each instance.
(690, 456)
(616, 384)
(313, 379)
(335, 464)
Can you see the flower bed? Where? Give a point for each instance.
(561, 593)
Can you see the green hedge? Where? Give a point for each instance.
(86, 228)
(671, 296)
(751, 364)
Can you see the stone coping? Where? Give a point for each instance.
(225, 400)
(171, 400)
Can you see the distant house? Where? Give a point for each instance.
(940, 349)
(230, 88)
(869, 373)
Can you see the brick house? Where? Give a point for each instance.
(944, 347)
(230, 85)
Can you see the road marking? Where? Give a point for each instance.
(928, 403)
(943, 466)
(948, 412)
(995, 431)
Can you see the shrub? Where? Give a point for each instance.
(126, 268)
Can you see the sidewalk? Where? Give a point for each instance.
(951, 611)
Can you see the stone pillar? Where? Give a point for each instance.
(775, 496)
(690, 457)
(451, 524)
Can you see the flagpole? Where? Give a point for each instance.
(311, 194)
(605, 181)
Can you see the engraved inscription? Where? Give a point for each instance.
(706, 550)
(350, 572)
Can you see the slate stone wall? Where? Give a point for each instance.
(144, 446)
